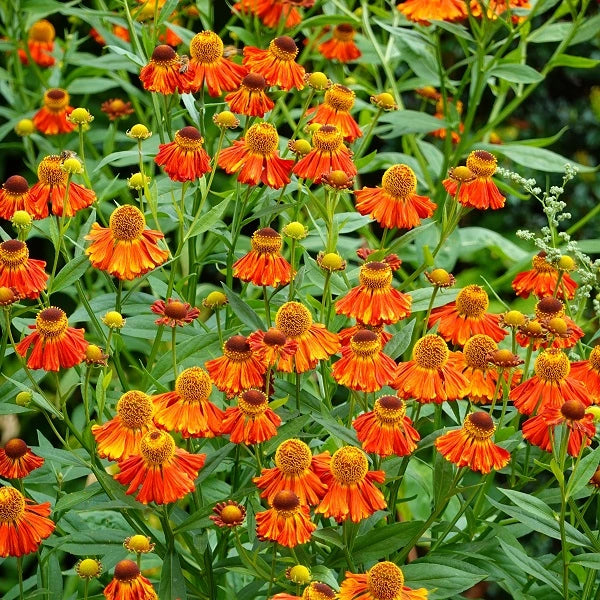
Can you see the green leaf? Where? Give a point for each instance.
(581, 476)
(242, 311)
(383, 541)
(401, 340)
(589, 561)
(69, 274)
(208, 219)
(83, 85)
(172, 581)
(575, 62)
(473, 239)
(422, 297)
(398, 123)
(516, 73)
(328, 536)
(458, 30)
(36, 398)
(291, 429)
(443, 476)
(448, 581)
(336, 429)
(130, 55)
(76, 498)
(408, 237)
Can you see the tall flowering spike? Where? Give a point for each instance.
(335, 110)
(328, 154)
(588, 372)
(472, 446)
(481, 192)
(276, 64)
(374, 301)
(271, 346)
(129, 584)
(466, 316)
(294, 470)
(52, 188)
(264, 264)
(125, 249)
(164, 73)
(250, 98)
(18, 271)
(184, 159)
(363, 366)
(551, 385)
(256, 158)
(15, 195)
(252, 421)
(395, 203)
(384, 581)
(188, 410)
(208, 66)
(542, 280)
(40, 43)
(429, 377)
(341, 45)
(386, 429)
(315, 342)
(51, 119)
(120, 437)
(17, 460)
(162, 472)
(54, 344)
(423, 11)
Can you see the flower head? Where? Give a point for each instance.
(250, 98)
(15, 196)
(24, 127)
(440, 278)
(228, 514)
(40, 43)
(51, 119)
(215, 300)
(295, 230)
(543, 280)
(128, 583)
(139, 132)
(225, 120)
(115, 108)
(88, 568)
(384, 101)
(17, 460)
(335, 110)
(174, 312)
(341, 45)
(9, 295)
(20, 272)
(588, 372)
(184, 159)
(252, 421)
(298, 574)
(272, 345)
(139, 544)
(164, 74)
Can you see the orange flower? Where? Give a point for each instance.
(17, 460)
(15, 195)
(120, 437)
(542, 280)
(384, 581)
(345, 335)
(55, 344)
(350, 489)
(164, 73)
(550, 386)
(271, 12)
(375, 301)
(251, 421)
(588, 372)
(580, 426)
(52, 188)
(429, 376)
(494, 8)
(395, 203)
(272, 346)
(264, 265)
(52, 117)
(363, 366)
(328, 154)
(18, 271)
(467, 316)
(314, 591)
(125, 249)
(335, 110)
(129, 584)
(315, 342)
(163, 472)
(250, 99)
(40, 42)
(188, 410)
(207, 65)
(238, 369)
(174, 312)
(472, 446)
(256, 157)
(276, 64)
(23, 524)
(115, 108)
(341, 45)
(423, 11)
(184, 159)
(294, 470)
(481, 192)
(287, 522)
(117, 30)
(228, 514)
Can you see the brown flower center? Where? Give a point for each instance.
(376, 275)
(157, 447)
(135, 409)
(266, 241)
(285, 501)
(293, 319)
(126, 570)
(385, 581)
(206, 47)
(13, 254)
(399, 181)
(193, 385)
(293, 457)
(274, 337)
(12, 505)
(479, 425)
(349, 465)
(284, 48)
(343, 32)
(254, 82)
(127, 223)
(472, 301)
(253, 403)
(15, 448)
(482, 163)
(51, 322)
(389, 409)
(237, 349)
(552, 365)
(573, 410)
(189, 139)
(327, 138)
(16, 185)
(56, 99)
(549, 307)
(49, 171)
(431, 352)
(174, 309)
(231, 514)
(365, 343)
(164, 54)
(262, 139)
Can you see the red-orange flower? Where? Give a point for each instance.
(295, 470)
(40, 42)
(184, 159)
(341, 45)
(395, 203)
(162, 472)
(252, 421)
(315, 342)
(472, 446)
(23, 524)
(335, 110)
(423, 11)
(588, 372)
(125, 249)
(188, 410)
(495, 8)
(15, 195)
(351, 493)
(271, 12)
(250, 99)
(276, 64)
(17, 460)
(346, 334)
(314, 591)
(18, 271)
(115, 108)
(174, 312)
(374, 301)
(542, 280)
(55, 344)
(271, 346)
(228, 514)
(52, 117)
(287, 522)
(129, 584)
(165, 73)
(429, 376)
(386, 429)
(238, 369)
(328, 154)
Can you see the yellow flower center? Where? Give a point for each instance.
(462, 174)
(13, 254)
(138, 543)
(472, 301)
(595, 358)
(189, 139)
(504, 359)
(339, 97)
(557, 326)
(514, 318)
(477, 349)
(440, 277)
(206, 47)
(231, 514)
(88, 568)
(116, 105)
(479, 426)
(541, 265)
(431, 352)
(482, 163)
(253, 403)
(42, 31)
(284, 48)
(12, 505)
(385, 581)
(349, 465)
(56, 99)
(293, 319)
(254, 82)
(15, 448)
(318, 591)
(16, 185)
(293, 457)
(399, 181)
(573, 410)
(389, 409)
(237, 349)
(135, 409)
(365, 343)
(164, 55)
(127, 223)
(376, 275)
(215, 299)
(262, 139)
(266, 241)
(126, 570)
(51, 322)
(327, 138)
(49, 171)
(298, 574)
(549, 307)
(552, 365)
(8, 295)
(157, 447)
(343, 32)
(566, 263)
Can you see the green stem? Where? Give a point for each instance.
(429, 309)
(174, 352)
(267, 307)
(20, 572)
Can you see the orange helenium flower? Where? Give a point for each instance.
(52, 117)
(314, 591)
(162, 472)
(341, 45)
(294, 470)
(271, 346)
(120, 437)
(55, 344)
(588, 372)
(228, 514)
(164, 72)
(472, 446)
(346, 334)
(542, 280)
(375, 301)
(129, 584)
(467, 316)
(40, 43)
(335, 110)
(250, 99)
(184, 159)
(17, 460)
(315, 342)
(18, 271)
(386, 429)
(15, 195)
(429, 376)
(271, 12)
(256, 157)
(115, 108)
(125, 249)
(23, 524)
(395, 203)
(252, 421)
(188, 410)
(423, 11)
(174, 312)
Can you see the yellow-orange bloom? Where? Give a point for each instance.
(51, 119)
(250, 99)
(588, 372)
(129, 584)
(40, 43)
(341, 45)
(271, 346)
(335, 110)
(542, 280)
(20, 272)
(164, 72)
(15, 195)
(184, 159)
(423, 11)
(252, 421)
(17, 460)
